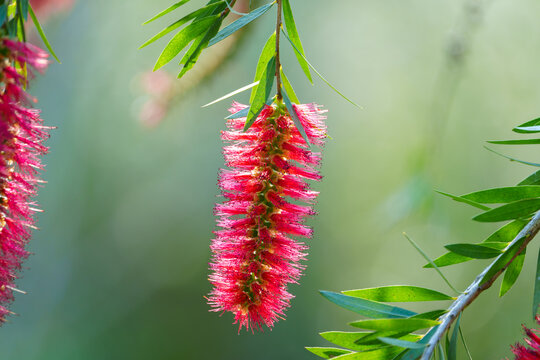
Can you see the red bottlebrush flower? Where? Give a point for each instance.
(255, 257)
(21, 142)
(533, 351)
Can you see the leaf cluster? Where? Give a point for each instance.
(393, 331)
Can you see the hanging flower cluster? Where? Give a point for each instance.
(21, 143)
(533, 351)
(255, 256)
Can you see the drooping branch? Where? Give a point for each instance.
(478, 286)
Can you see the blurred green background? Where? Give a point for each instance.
(121, 260)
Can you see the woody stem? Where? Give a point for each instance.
(278, 63)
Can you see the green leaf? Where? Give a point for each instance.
(415, 245)
(319, 74)
(240, 23)
(351, 340)
(288, 88)
(243, 113)
(41, 33)
(402, 343)
(175, 25)
(295, 38)
(398, 293)
(268, 51)
(294, 117)
(502, 260)
(507, 233)
(514, 210)
(401, 325)
(379, 354)
(430, 315)
(473, 251)
(503, 235)
(516, 142)
(504, 194)
(528, 127)
(232, 93)
(328, 352)
(3, 14)
(534, 179)
(183, 38)
(367, 308)
(414, 354)
(451, 349)
(262, 93)
(192, 55)
(536, 297)
(166, 11)
(24, 8)
(465, 201)
(512, 273)
(513, 159)
(447, 260)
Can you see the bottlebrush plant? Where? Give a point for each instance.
(391, 332)
(269, 155)
(22, 134)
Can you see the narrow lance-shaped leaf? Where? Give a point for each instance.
(295, 38)
(240, 23)
(192, 55)
(513, 159)
(166, 11)
(415, 245)
(398, 293)
(465, 201)
(268, 51)
(183, 38)
(367, 308)
(3, 14)
(402, 325)
(511, 211)
(294, 117)
(244, 112)
(402, 343)
(502, 260)
(24, 8)
(233, 93)
(262, 93)
(532, 126)
(473, 251)
(414, 354)
(536, 296)
(512, 273)
(503, 235)
(451, 350)
(288, 88)
(380, 354)
(533, 179)
(41, 33)
(430, 315)
(504, 194)
(516, 142)
(175, 25)
(318, 73)
(328, 352)
(351, 340)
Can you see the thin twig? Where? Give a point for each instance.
(278, 63)
(478, 286)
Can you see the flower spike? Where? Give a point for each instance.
(254, 254)
(21, 143)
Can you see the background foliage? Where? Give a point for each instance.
(121, 260)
